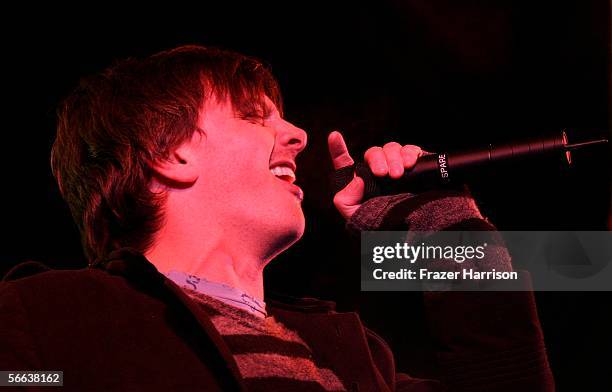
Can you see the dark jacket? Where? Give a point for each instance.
(124, 326)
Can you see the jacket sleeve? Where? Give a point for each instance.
(489, 341)
(399, 382)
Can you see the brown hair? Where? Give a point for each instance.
(115, 124)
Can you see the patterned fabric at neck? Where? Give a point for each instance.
(220, 291)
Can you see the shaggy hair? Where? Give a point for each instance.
(116, 124)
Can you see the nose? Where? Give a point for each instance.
(292, 137)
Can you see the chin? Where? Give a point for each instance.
(294, 231)
(290, 223)
(290, 233)
(299, 231)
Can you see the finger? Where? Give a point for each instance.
(410, 154)
(338, 151)
(394, 158)
(375, 159)
(348, 200)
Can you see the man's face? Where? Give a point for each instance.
(247, 169)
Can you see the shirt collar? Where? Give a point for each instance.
(224, 293)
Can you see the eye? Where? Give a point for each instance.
(253, 119)
(258, 116)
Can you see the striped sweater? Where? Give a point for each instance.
(270, 357)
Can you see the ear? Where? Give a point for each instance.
(181, 166)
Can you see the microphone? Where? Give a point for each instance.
(441, 169)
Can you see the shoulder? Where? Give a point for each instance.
(36, 285)
(34, 273)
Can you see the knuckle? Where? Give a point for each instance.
(392, 146)
(411, 148)
(372, 152)
(344, 159)
(338, 200)
(408, 152)
(373, 149)
(396, 164)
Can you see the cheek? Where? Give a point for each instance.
(244, 164)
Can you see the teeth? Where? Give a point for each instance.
(283, 171)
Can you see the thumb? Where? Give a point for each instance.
(348, 200)
(338, 151)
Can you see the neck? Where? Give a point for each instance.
(216, 258)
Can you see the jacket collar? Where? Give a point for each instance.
(134, 266)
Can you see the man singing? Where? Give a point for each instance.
(179, 171)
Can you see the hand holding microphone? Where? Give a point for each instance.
(391, 160)
(394, 168)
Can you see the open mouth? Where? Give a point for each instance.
(284, 172)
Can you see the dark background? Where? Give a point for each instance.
(442, 74)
